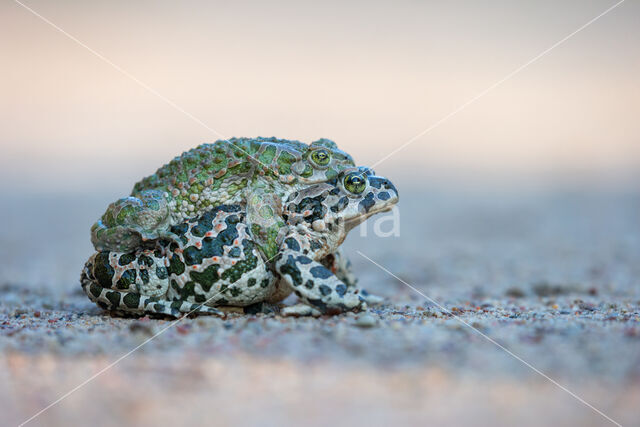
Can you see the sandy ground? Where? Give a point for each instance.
(553, 278)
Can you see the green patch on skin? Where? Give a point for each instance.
(267, 155)
(108, 219)
(307, 172)
(330, 174)
(267, 238)
(266, 212)
(207, 278)
(152, 204)
(284, 161)
(124, 213)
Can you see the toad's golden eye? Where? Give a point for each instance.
(355, 182)
(320, 157)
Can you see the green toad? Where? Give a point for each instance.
(255, 173)
(212, 259)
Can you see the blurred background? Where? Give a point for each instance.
(370, 75)
(76, 133)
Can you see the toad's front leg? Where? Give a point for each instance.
(315, 284)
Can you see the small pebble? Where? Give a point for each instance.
(365, 321)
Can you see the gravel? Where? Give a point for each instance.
(553, 278)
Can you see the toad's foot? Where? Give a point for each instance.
(316, 285)
(299, 310)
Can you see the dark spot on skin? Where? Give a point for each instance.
(341, 289)
(313, 204)
(127, 259)
(378, 182)
(384, 195)
(188, 290)
(309, 284)
(320, 272)
(304, 260)
(176, 266)
(159, 308)
(290, 268)
(95, 290)
(213, 246)
(235, 291)
(375, 182)
(145, 260)
(264, 283)
(103, 270)
(315, 244)
(324, 290)
(251, 282)
(321, 306)
(235, 252)
(161, 272)
(131, 300)
(342, 203)
(180, 229)
(292, 244)
(200, 298)
(366, 203)
(127, 279)
(114, 298)
(144, 275)
(207, 278)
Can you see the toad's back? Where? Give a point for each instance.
(212, 174)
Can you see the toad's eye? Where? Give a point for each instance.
(320, 157)
(355, 182)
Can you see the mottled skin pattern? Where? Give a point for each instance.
(214, 260)
(255, 173)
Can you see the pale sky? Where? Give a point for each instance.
(369, 75)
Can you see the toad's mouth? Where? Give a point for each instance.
(363, 216)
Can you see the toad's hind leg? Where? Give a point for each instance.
(133, 288)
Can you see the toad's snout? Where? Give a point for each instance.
(386, 191)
